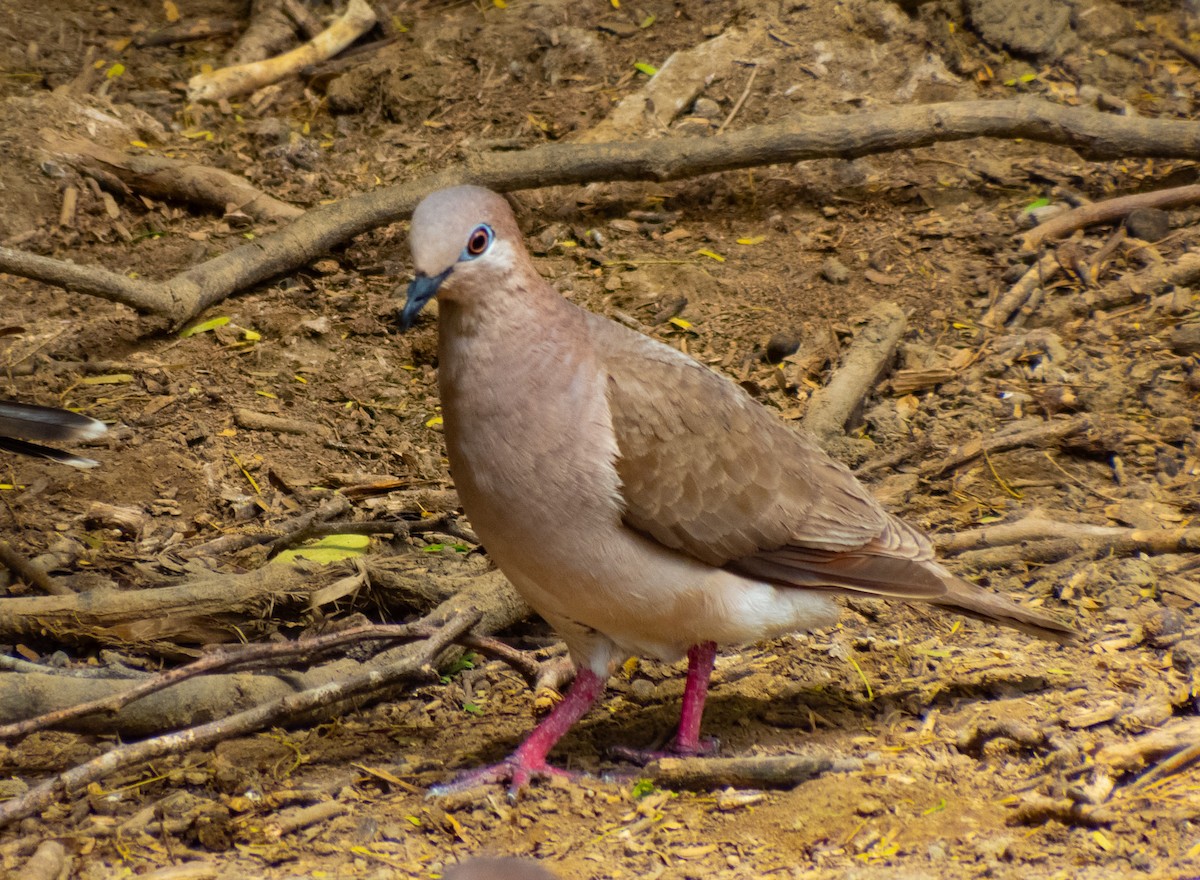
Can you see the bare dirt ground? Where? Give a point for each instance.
(978, 752)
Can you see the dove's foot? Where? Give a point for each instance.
(528, 762)
(705, 747)
(514, 770)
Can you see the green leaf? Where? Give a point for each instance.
(642, 788)
(331, 548)
(648, 69)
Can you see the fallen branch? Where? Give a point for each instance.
(407, 663)
(199, 692)
(169, 179)
(869, 355)
(1118, 542)
(1034, 527)
(1108, 211)
(1046, 434)
(297, 653)
(1010, 302)
(227, 82)
(210, 608)
(1094, 135)
(780, 771)
(1151, 746)
(32, 574)
(1158, 279)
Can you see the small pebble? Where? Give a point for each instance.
(641, 690)
(780, 346)
(1185, 339)
(834, 272)
(1148, 224)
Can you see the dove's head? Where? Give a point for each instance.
(464, 239)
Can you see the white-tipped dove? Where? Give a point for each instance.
(640, 502)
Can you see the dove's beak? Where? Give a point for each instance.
(422, 289)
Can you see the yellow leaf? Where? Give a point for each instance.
(251, 335)
(704, 252)
(434, 422)
(196, 133)
(500, 4)
(1102, 841)
(109, 379)
(204, 326)
(681, 323)
(643, 67)
(140, 144)
(301, 380)
(120, 45)
(267, 394)
(170, 10)
(757, 239)
(245, 473)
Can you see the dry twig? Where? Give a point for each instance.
(227, 82)
(777, 771)
(1108, 211)
(1052, 432)
(869, 355)
(1002, 310)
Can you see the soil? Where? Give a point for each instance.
(978, 752)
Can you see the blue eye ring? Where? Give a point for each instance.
(478, 242)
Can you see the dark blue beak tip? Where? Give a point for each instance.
(422, 289)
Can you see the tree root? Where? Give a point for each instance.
(412, 662)
(182, 297)
(170, 179)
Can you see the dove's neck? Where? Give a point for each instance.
(526, 416)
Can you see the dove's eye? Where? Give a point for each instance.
(478, 242)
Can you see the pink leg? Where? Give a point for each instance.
(700, 667)
(687, 737)
(529, 760)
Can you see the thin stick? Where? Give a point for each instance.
(740, 101)
(1108, 211)
(30, 573)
